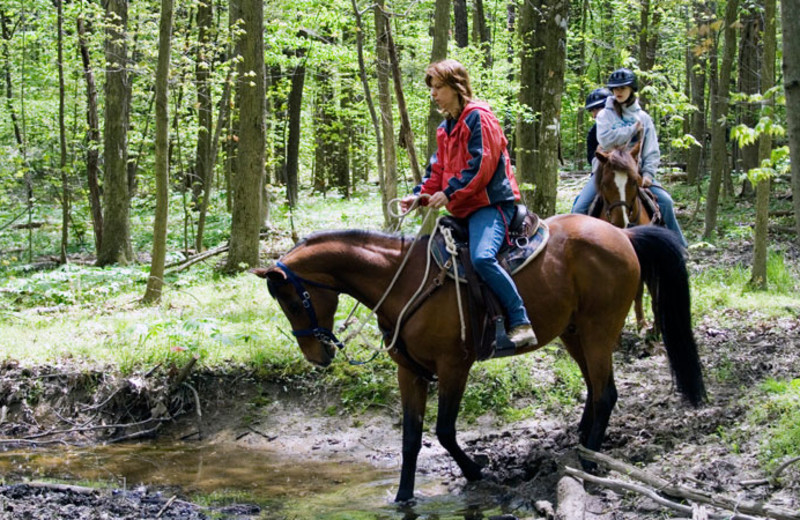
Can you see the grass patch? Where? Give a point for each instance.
(779, 418)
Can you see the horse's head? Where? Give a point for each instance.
(618, 182)
(310, 307)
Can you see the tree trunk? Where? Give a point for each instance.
(247, 184)
(222, 122)
(461, 22)
(116, 246)
(389, 185)
(362, 72)
(480, 32)
(791, 85)
(295, 106)
(719, 117)
(156, 279)
(323, 130)
(543, 64)
(93, 138)
(7, 35)
(759, 274)
(749, 64)
(204, 162)
(441, 31)
(62, 138)
(580, 148)
(650, 19)
(697, 77)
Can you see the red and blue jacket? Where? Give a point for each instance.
(471, 163)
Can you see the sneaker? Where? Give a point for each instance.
(523, 336)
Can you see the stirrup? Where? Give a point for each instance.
(503, 346)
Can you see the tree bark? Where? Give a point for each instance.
(389, 184)
(650, 20)
(719, 120)
(461, 22)
(750, 52)
(480, 32)
(295, 106)
(62, 137)
(791, 85)
(543, 64)
(759, 274)
(247, 184)
(204, 162)
(156, 279)
(93, 138)
(116, 246)
(697, 75)
(441, 31)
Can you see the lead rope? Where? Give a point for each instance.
(450, 245)
(374, 310)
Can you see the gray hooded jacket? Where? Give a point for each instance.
(613, 132)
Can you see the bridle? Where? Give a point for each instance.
(633, 210)
(321, 334)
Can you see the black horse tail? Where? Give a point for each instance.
(663, 263)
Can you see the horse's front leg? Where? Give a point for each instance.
(451, 390)
(413, 396)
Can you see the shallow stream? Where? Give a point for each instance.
(283, 487)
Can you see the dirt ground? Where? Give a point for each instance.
(524, 461)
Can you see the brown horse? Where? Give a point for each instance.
(580, 289)
(618, 184)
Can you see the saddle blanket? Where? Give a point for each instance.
(512, 258)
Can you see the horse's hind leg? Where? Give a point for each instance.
(451, 390)
(413, 395)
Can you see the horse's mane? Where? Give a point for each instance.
(362, 236)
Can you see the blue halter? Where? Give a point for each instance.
(322, 334)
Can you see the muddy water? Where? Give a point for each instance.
(283, 487)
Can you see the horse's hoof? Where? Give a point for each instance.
(404, 497)
(474, 474)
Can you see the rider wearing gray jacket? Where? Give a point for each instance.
(621, 123)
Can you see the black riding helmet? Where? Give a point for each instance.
(596, 98)
(621, 78)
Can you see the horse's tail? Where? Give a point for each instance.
(663, 263)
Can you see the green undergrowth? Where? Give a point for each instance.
(779, 415)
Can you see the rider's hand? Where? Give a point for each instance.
(407, 202)
(647, 181)
(438, 200)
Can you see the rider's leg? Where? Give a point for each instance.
(668, 211)
(585, 198)
(487, 231)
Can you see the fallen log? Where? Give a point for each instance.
(571, 499)
(668, 488)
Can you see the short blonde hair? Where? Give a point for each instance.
(453, 74)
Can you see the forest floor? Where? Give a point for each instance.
(708, 448)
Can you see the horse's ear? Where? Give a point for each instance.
(275, 274)
(636, 149)
(601, 155)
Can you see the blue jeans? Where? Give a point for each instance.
(487, 231)
(587, 194)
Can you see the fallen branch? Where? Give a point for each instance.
(621, 486)
(182, 266)
(83, 490)
(696, 495)
(166, 506)
(571, 499)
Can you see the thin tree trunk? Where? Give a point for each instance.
(441, 31)
(719, 117)
(759, 274)
(791, 85)
(62, 138)
(248, 182)
(367, 94)
(295, 106)
(698, 66)
(480, 32)
(93, 138)
(222, 122)
(389, 186)
(156, 279)
(406, 132)
(7, 35)
(204, 162)
(116, 246)
(461, 22)
(749, 65)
